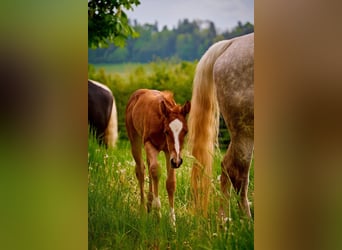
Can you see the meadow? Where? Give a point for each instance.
(115, 220)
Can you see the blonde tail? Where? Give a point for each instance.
(203, 126)
(111, 132)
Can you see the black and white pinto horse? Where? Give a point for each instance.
(102, 114)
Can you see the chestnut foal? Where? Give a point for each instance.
(154, 120)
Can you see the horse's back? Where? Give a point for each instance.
(234, 80)
(140, 102)
(143, 103)
(235, 67)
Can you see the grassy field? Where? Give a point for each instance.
(115, 220)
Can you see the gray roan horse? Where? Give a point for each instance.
(102, 114)
(224, 82)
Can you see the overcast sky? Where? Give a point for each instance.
(224, 13)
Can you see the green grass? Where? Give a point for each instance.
(115, 220)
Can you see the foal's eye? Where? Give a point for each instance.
(166, 132)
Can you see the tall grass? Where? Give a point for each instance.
(115, 220)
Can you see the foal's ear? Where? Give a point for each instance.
(186, 108)
(164, 109)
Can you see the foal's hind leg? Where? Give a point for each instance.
(154, 173)
(235, 171)
(139, 167)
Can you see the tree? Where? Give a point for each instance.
(108, 23)
(188, 41)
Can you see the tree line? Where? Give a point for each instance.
(186, 42)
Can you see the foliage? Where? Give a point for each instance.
(108, 22)
(240, 29)
(188, 41)
(115, 220)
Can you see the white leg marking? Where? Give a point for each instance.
(176, 127)
(156, 203)
(156, 206)
(172, 217)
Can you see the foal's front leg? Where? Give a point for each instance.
(154, 174)
(171, 187)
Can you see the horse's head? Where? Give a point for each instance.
(175, 129)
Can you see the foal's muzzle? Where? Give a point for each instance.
(175, 163)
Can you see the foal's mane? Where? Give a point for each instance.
(168, 97)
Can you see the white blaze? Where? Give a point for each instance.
(176, 127)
